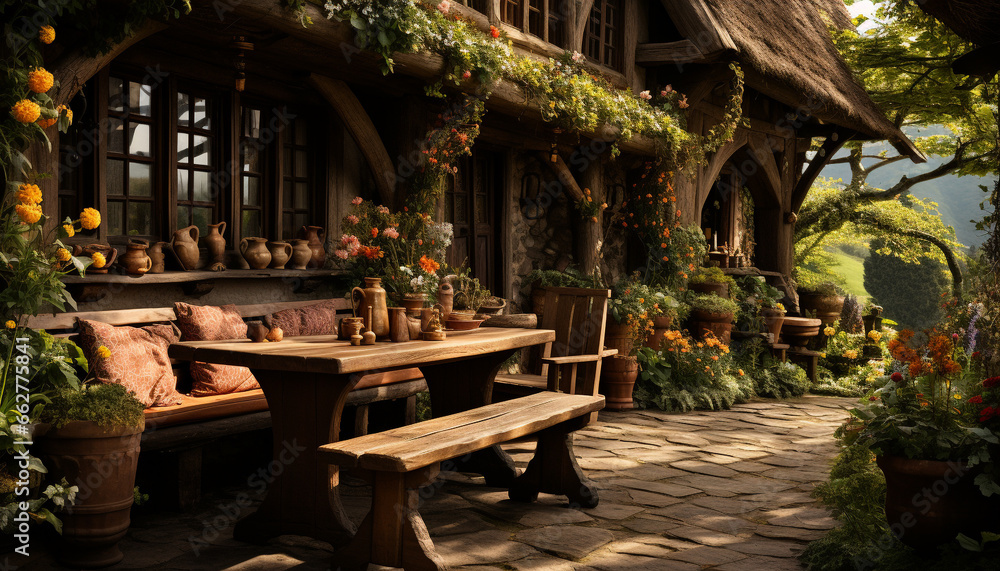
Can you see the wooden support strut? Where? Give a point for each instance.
(830, 147)
(565, 175)
(361, 128)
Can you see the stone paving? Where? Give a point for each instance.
(724, 490)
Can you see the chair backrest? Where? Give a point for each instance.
(578, 317)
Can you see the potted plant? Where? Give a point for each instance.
(820, 299)
(539, 280)
(932, 427)
(712, 313)
(711, 280)
(670, 311)
(471, 296)
(630, 321)
(760, 308)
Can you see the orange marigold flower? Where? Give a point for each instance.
(428, 264)
(29, 213)
(46, 123)
(69, 113)
(26, 111)
(374, 232)
(46, 34)
(29, 194)
(40, 80)
(63, 255)
(90, 218)
(98, 259)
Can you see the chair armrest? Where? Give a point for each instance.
(609, 352)
(571, 359)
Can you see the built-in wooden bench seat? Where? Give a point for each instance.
(400, 461)
(184, 428)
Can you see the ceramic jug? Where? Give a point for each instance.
(155, 253)
(372, 295)
(216, 243)
(301, 254)
(184, 244)
(254, 251)
(281, 252)
(135, 260)
(316, 235)
(446, 299)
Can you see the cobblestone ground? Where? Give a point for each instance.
(724, 490)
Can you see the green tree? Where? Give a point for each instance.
(910, 293)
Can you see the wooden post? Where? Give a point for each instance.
(588, 231)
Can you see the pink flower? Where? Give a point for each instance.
(666, 90)
(350, 243)
(382, 209)
(577, 57)
(352, 219)
(391, 232)
(645, 95)
(357, 200)
(683, 103)
(444, 6)
(342, 254)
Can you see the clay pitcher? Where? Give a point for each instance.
(184, 243)
(372, 295)
(301, 254)
(135, 260)
(281, 252)
(315, 236)
(216, 243)
(155, 253)
(254, 251)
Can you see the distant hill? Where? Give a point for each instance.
(958, 197)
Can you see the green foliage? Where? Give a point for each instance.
(108, 405)
(850, 315)
(910, 293)
(710, 275)
(570, 277)
(712, 303)
(771, 378)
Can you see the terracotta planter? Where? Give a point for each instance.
(929, 502)
(102, 463)
(720, 324)
(618, 375)
(826, 307)
(661, 324)
(413, 302)
(721, 290)
(493, 306)
(618, 336)
(798, 331)
(774, 319)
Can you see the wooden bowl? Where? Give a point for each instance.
(463, 324)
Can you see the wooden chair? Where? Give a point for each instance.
(572, 363)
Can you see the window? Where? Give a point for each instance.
(297, 196)
(542, 18)
(196, 200)
(129, 163)
(603, 40)
(477, 5)
(252, 182)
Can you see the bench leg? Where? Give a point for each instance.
(553, 470)
(360, 420)
(188, 478)
(393, 534)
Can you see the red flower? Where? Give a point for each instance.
(987, 413)
(897, 377)
(976, 399)
(494, 32)
(991, 382)
(374, 232)
(873, 398)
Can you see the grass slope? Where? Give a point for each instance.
(853, 270)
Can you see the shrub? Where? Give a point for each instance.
(108, 405)
(711, 275)
(909, 293)
(713, 304)
(850, 316)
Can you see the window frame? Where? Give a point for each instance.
(600, 37)
(217, 134)
(519, 14)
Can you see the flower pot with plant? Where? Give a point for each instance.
(711, 280)
(710, 312)
(539, 280)
(631, 311)
(822, 300)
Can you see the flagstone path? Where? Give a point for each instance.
(726, 490)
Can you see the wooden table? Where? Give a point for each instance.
(306, 381)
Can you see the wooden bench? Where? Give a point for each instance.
(400, 461)
(184, 429)
(808, 357)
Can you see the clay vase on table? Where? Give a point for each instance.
(281, 252)
(216, 244)
(109, 253)
(155, 253)
(135, 261)
(184, 244)
(399, 325)
(315, 235)
(372, 295)
(254, 251)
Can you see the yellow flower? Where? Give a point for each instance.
(26, 111)
(103, 352)
(46, 34)
(46, 123)
(29, 213)
(779, 307)
(70, 231)
(829, 331)
(40, 80)
(822, 355)
(959, 397)
(875, 335)
(63, 255)
(90, 218)
(99, 260)
(11, 324)
(29, 194)
(851, 354)
(69, 113)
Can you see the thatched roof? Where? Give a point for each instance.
(786, 48)
(974, 20)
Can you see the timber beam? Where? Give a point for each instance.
(831, 145)
(683, 51)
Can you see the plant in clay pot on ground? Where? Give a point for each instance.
(710, 312)
(712, 280)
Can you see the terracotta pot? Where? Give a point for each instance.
(618, 375)
(184, 244)
(661, 324)
(413, 302)
(493, 306)
(315, 236)
(102, 463)
(827, 308)
(301, 254)
(372, 295)
(798, 331)
(774, 320)
(721, 290)
(156, 254)
(216, 243)
(254, 251)
(281, 252)
(929, 502)
(720, 324)
(618, 336)
(109, 253)
(135, 261)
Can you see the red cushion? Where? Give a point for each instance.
(138, 359)
(210, 323)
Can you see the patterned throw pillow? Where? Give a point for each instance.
(316, 319)
(209, 323)
(138, 359)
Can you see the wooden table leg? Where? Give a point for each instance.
(462, 385)
(305, 414)
(554, 470)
